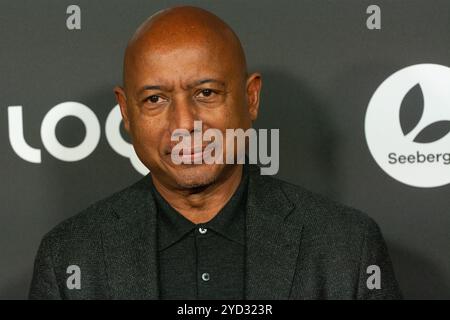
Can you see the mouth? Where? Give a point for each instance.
(190, 155)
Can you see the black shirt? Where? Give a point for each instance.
(203, 261)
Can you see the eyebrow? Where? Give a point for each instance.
(203, 81)
(195, 83)
(153, 87)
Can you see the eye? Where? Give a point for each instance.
(204, 93)
(154, 99)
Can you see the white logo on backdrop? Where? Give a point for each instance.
(77, 153)
(408, 123)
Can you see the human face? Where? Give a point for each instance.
(171, 87)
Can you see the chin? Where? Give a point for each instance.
(196, 176)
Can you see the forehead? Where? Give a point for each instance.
(181, 60)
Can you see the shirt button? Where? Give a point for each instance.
(205, 276)
(202, 230)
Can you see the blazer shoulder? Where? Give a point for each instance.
(87, 223)
(322, 213)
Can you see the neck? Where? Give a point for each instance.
(202, 206)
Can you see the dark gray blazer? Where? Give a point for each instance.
(299, 246)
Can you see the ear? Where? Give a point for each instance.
(253, 86)
(121, 99)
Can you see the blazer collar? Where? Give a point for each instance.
(272, 243)
(129, 240)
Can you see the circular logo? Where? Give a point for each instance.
(407, 125)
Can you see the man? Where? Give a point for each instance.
(205, 231)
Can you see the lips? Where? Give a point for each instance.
(190, 151)
(192, 155)
(196, 150)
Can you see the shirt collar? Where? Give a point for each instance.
(229, 221)
(172, 225)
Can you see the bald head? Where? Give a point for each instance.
(184, 66)
(184, 27)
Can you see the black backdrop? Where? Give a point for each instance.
(320, 65)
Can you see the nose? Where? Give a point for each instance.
(183, 113)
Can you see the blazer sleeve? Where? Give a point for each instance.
(376, 278)
(44, 285)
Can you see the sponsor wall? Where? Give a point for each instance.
(359, 91)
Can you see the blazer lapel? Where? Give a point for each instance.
(272, 243)
(129, 241)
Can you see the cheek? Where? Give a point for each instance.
(231, 115)
(147, 133)
(240, 117)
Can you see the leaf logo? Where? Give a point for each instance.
(407, 125)
(411, 112)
